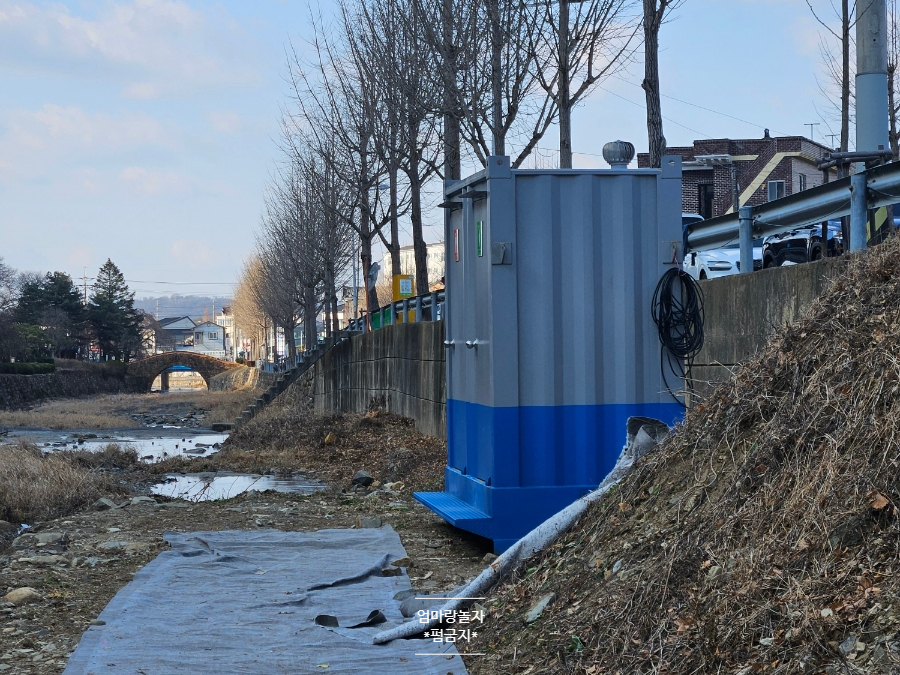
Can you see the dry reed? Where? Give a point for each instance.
(762, 537)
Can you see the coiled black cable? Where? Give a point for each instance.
(677, 311)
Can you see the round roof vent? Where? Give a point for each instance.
(618, 153)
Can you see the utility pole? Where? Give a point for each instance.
(84, 281)
(871, 110)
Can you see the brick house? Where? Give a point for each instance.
(767, 168)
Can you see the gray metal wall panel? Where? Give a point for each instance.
(588, 248)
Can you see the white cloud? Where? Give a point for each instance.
(193, 252)
(142, 90)
(81, 255)
(150, 182)
(150, 46)
(226, 122)
(47, 140)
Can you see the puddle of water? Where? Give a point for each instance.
(206, 486)
(152, 449)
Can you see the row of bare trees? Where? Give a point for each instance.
(390, 96)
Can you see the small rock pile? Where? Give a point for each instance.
(190, 420)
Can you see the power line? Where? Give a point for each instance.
(668, 119)
(696, 105)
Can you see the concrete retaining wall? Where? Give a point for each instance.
(17, 391)
(743, 310)
(400, 368)
(242, 377)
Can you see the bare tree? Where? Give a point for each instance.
(838, 72)
(488, 67)
(401, 61)
(655, 13)
(249, 317)
(893, 31)
(588, 41)
(337, 105)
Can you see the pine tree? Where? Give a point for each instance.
(114, 320)
(53, 306)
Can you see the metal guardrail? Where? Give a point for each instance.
(810, 207)
(399, 312)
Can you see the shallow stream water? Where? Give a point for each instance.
(156, 443)
(206, 486)
(152, 445)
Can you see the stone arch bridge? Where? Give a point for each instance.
(145, 370)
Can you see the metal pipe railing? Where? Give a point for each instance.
(422, 306)
(813, 206)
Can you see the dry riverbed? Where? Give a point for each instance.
(76, 562)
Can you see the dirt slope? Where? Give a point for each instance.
(762, 537)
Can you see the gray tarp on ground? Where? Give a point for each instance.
(245, 602)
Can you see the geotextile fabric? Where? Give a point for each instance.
(245, 603)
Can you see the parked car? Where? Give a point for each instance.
(718, 262)
(801, 245)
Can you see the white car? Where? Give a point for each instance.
(718, 262)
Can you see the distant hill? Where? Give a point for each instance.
(194, 306)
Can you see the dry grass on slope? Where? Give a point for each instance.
(762, 537)
(285, 438)
(35, 486)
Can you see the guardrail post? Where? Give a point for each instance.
(418, 309)
(392, 312)
(859, 214)
(405, 310)
(434, 304)
(745, 237)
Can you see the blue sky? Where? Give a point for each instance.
(144, 130)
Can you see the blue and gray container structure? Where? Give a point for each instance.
(550, 342)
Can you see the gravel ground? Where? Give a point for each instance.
(77, 563)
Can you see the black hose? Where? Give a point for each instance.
(678, 314)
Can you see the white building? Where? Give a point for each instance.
(209, 339)
(226, 321)
(434, 258)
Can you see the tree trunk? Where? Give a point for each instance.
(290, 347)
(650, 85)
(420, 250)
(845, 75)
(332, 294)
(395, 221)
(499, 137)
(365, 257)
(892, 115)
(309, 319)
(565, 105)
(452, 156)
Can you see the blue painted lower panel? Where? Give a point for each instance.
(542, 445)
(509, 469)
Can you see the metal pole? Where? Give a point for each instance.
(871, 77)
(858, 212)
(745, 238)
(355, 279)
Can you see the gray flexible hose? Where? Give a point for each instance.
(640, 442)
